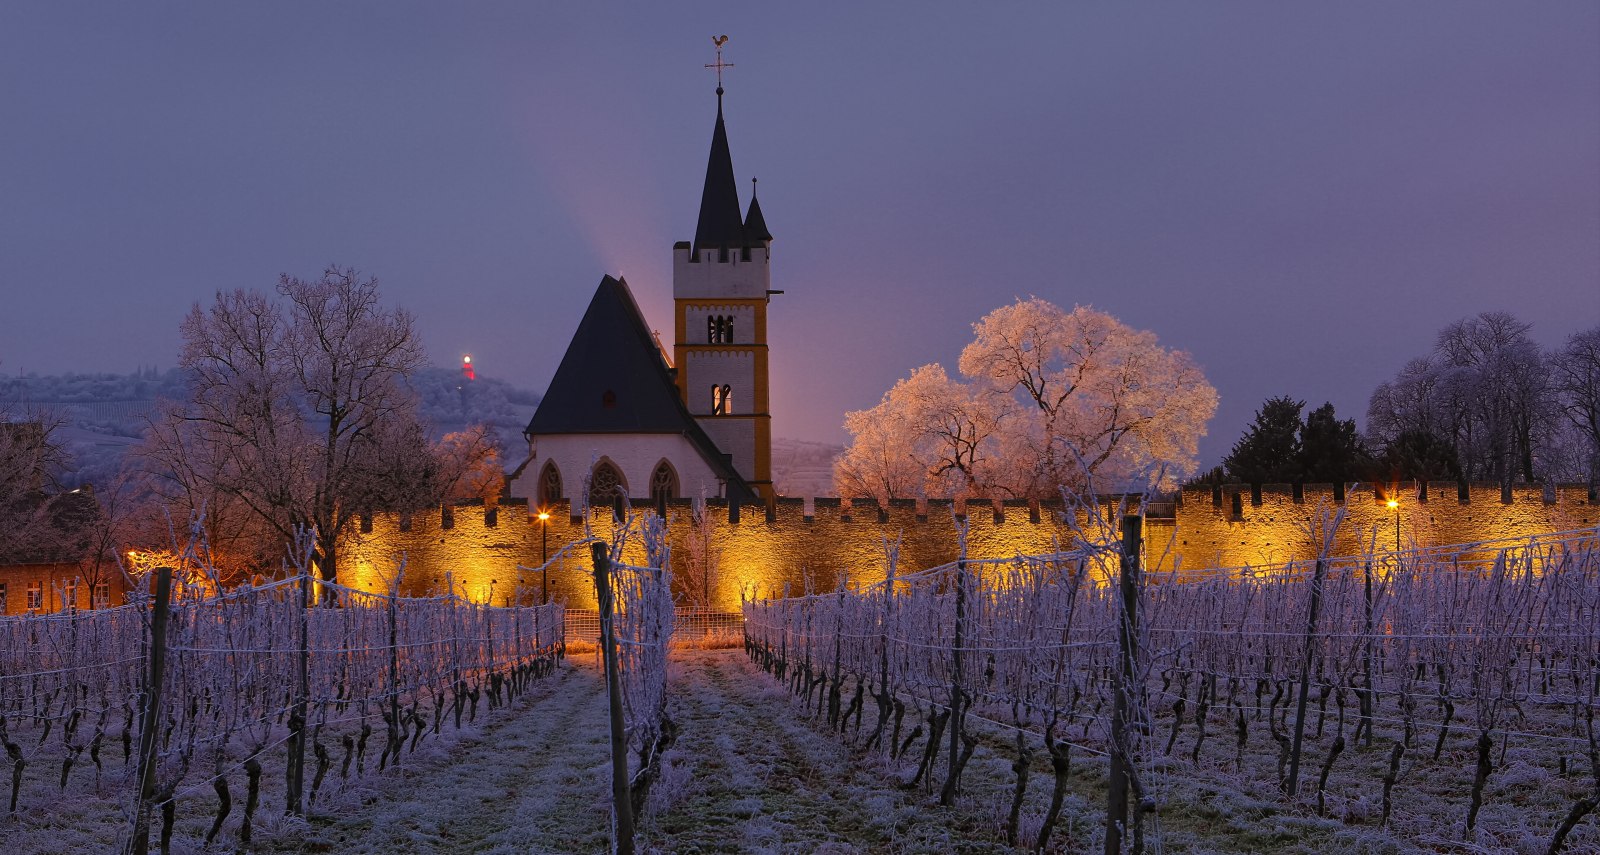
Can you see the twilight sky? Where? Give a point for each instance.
(1299, 194)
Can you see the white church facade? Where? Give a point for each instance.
(625, 418)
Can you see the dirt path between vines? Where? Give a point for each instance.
(535, 782)
(748, 773)
(751, 774)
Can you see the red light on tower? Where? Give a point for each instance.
(466, 367)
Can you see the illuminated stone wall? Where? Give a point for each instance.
(480, 550)
(1209, 533)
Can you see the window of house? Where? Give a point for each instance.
(102, 595)
(549, 484)
(69, 595)
(35, 596)
(606, 487)
(663, 482)
(5, 604)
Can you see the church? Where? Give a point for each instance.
(624, 419)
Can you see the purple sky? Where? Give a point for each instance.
(1299, 194)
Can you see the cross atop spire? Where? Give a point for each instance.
(719, 41)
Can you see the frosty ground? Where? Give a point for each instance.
(752, 771)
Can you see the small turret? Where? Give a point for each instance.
(755, 225)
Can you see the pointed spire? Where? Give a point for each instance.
(720, 225)
(755, 225)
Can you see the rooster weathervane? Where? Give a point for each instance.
(719, 41)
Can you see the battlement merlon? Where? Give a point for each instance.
(742, 274)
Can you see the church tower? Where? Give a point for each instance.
(721, 289)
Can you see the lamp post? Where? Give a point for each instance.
(544, 557)
(1394, 505)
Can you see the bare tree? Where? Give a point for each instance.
(469, 466)
(1485, 389)
(1575, 374)
(36, 522)
(299, 412)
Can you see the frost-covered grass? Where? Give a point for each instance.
(754, 770)
(91, 815)
(751, 773)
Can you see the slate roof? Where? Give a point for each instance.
(755, 225)
(613, 380)
(720, 224)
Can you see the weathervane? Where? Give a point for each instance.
(719, 41)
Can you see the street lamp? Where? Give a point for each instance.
(1394, 505)
(544, 557)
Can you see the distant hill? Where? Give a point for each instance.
(803, 469)
(104, 415)
(450, 403)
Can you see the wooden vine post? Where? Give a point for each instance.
(1292, 784)
(952, 781)
(139, 843)
(621, 798)
(294, 785)
(1126, 677)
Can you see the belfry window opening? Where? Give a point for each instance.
(719, 329)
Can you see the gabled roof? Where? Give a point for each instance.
(720, 223)
(613, 380)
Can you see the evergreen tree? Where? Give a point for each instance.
(1269, 452)
(1417, 455)
(1330, 449)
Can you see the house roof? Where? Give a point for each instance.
(614, 380)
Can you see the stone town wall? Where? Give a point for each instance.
(761, 548)
(1235, 526)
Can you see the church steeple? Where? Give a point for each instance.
(721, 289)
(720, 226)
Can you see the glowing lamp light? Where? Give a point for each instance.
(543, 516)
(466, 367)
(1393, 504)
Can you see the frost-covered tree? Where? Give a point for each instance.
(942, 430)
(298, 411)
(468, 465)
(1575, 375)
(1094, 398)
(880, 460)
(34, 510)
(1049, 399)
(1484, 388)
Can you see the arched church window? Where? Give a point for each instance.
(549, 484)
(663, 482)
(727, 330)
(606, 487)
(711, 329)
(721, 399)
